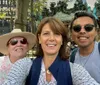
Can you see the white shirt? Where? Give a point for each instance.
(21, 68)
(5, 66)
(42, 79)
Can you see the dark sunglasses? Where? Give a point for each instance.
(15, 41)
(88, 28)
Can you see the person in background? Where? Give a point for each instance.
(14, 46)
(51, 65)
(84, 31)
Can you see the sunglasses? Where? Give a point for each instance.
(15, 41)
(88, 28)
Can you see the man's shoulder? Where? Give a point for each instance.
(98, 43)
(73, 53)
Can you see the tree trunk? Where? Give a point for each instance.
(21, 14)
(11, 19)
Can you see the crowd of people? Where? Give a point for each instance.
(52, 65)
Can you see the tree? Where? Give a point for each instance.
(35, 12)
(79, 5)
(10, 3)
(21, 14)
(2, 15)
(97, 6)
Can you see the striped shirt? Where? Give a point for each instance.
(21, 68)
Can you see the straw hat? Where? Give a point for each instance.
(31, 39)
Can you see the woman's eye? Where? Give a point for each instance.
(45, 33)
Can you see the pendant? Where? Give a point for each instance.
(48, 72)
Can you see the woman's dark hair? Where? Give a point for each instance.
(82, 13)
(56, 26)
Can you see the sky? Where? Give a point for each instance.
(71, 3)
(90, 3)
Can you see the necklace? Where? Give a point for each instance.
(48, 72)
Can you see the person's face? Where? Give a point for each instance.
(84, 37)
(18, 47)
(50, 41)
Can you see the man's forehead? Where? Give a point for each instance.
(84, 19)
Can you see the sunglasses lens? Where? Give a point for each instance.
(77, 28)
(13, 42)
(24, 41)
(89, 27)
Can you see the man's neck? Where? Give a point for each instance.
(85, 51)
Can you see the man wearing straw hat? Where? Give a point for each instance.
(14, 46)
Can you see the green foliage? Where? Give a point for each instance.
(79, 5)
(2, 15)
(38, 6)
(97, 6)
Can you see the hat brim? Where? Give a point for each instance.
(31, 38)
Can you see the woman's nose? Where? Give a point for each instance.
(52, 36)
